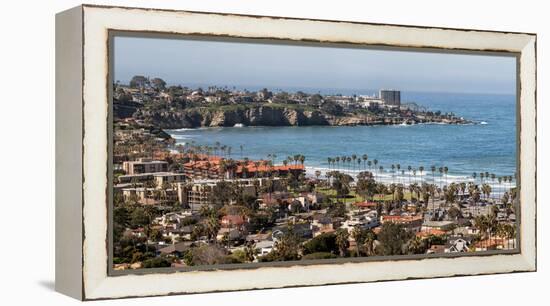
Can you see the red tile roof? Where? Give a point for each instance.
(366, 204)
(233, 220)
(429, 232)
(212, 163)
(400, 219)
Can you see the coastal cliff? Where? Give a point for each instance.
(273, 116)
(254, 116)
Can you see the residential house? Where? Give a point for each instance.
(412, 223)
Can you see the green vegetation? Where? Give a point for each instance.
(392, 238)
(324, 243)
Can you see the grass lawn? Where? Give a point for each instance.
(388, 197)
(351, 198)
(354, 197)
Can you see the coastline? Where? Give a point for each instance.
(389, 178)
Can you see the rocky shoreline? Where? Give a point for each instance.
(272, 116)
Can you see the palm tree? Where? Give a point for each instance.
(421, 169)
(474, 175)
(486, 189)
(365, 158)
(491, 224)
(414, 188)
(462, 187)
(512, 234)
(216, 147)
(499, 185)
(398, 167)
(358, 234)
(342, 236)
(433, 174)
(296, 158)
(317, 174)
(493, 178)
(212, 227)
(375, 162)
(480, 223)
(392, 189)
(392, 172)
(440, 176)
(337, 162)
(431, 189)
(370, 237)
(425, 188)
(474, 194)
(353, 157)
(410, 169)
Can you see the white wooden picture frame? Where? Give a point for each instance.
(82, 123)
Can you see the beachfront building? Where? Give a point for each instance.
(144, 165)
(158, 179)
(162, 178)
(213, 167)
(204, 169)
(367, 102)
(135, 178)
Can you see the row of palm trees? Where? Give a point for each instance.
(217, 149)
(486, 177)
(489, 227)
(224, 152)
(350, 163)
(355, 162)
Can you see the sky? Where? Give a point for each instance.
(196, 63)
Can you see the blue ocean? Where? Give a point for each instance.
(487, 146)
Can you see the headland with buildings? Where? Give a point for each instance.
(177, 107)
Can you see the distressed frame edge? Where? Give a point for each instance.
(69, 236)
(528, 264)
